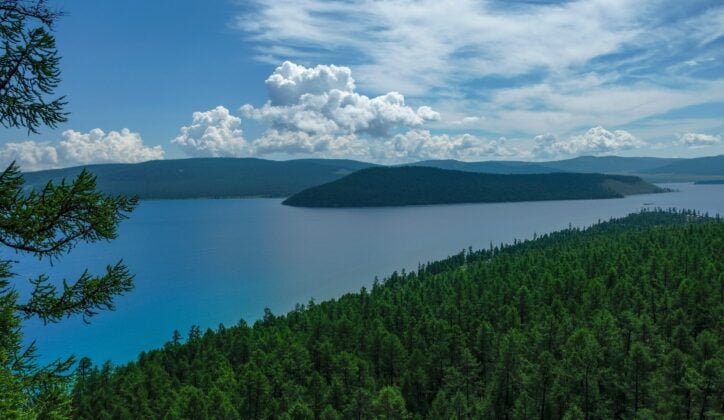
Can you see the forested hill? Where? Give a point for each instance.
(252, 177)
(410, 185)
(206, 177)
(622, 320)
(710, 165)
(711, 182)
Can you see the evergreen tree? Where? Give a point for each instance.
(46, 223)
(597, 323)
(29, 62)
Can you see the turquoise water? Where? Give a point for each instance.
(208, 262)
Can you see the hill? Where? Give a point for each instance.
(251, 177)
(207, 177)
(586, 164)
(409, 185)
(710, 182)
(491, 167)
(610, 164)
(710, 165)
(621, 320)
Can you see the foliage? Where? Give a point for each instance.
(621, 320)
(412, 185)
(48, 224)
(29, 70)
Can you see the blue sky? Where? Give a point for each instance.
(384, 80)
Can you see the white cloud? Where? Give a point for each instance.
(429, 43)
(410, 146)
(470, 120)
(29, 155)
(322, 100)
(563, 64)
(422, 145)
(213, 133)
(76, 148)
(348, 146)
(596, 141)
(290, 81)
(695, 140)
(97, 146)
(316, 111)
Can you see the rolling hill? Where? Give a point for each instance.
(207, 177)
(710, 165)
(490, 167)
(411, 185)
(610, 164)
(251, 177)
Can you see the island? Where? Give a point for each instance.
(415, 185)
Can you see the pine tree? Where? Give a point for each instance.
(29, 70)
(46, 223)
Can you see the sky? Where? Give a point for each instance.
(387, 81)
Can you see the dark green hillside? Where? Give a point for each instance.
(491, 167)
(619, 321)
(409, 185)
(710, 165)
(207, 177)
(610, 164)
(710, 182)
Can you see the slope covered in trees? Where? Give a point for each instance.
(491, 167)
(206, 177)
(710, 165)
(251, 177)
(410, 185)
(621, 320)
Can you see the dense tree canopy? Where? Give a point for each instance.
(48, 224)
(419, 185)
(622, 320)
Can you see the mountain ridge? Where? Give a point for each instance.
(256, 177)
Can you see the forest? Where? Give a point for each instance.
(415, 185)
(205, 177)
(619, 320)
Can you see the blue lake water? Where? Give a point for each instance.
(208, 262)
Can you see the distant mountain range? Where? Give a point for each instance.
(420, 185)
(251, 177)
(206, 177)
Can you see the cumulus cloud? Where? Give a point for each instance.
(696, 140)
(581, 64)
(596, 141)
(290, 81)
(322, 100)
(76, 148)
(213, 133)
(29, 155)
(422, 145)
(323, 145)
(316, 111)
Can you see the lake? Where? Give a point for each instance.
(208, 262)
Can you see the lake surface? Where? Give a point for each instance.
(208, 262)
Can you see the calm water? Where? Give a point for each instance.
(207, 262)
